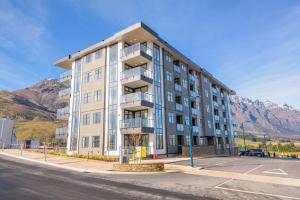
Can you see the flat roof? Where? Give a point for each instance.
(66, 62)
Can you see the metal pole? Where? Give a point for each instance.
(244, 135)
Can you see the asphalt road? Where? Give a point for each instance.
(19, 180)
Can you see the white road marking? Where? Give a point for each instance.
(275, 171)
(224, 183)
(259, 193)
(251, 170)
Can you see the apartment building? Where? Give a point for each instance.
(135, 89)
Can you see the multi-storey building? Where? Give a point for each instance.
(135, 89)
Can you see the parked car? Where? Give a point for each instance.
(252, 152)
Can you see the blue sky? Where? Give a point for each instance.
(252, 46)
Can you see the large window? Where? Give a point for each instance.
(98, 73)
(88, 58)
(171, 118)
(96, 117)
(172, 140)
(96, 141)
(98, 54)
(85, 142)
(87, 97)
(170, 96)
(169, 76)
(97, 95)
(86, 119)
(87, 77)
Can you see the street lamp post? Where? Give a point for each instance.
(244, 135)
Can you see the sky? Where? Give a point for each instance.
(251, 46)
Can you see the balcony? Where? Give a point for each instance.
(217, 118)
(216, 104)
(223, 107)
(136, 54)
(179, 127)
(214, 90)
(136, 101)
(193, 94)
(137, 126)
(222, 94)
(225, 120)
(177, 69)
(136, 77)
(63, 113)
(64, 94)
(195, 129)
(225, 132)
(192, 77)
(194, 111)
(61, 133)
(65, 76)
(178, 107)
(178, 87)
(218, 131)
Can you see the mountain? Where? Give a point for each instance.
(38, 102)
(266, 118)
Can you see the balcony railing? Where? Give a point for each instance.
(223, 107)
(179, 127)
(194, 111)
(65, 76)
(63, 113)
(215, 91)
(135, 72)
(217, 118)
(177, 68)
(218, 131)
(222, 94)
(192, 77)
(137, 96)
(193, 94)
(226, 132)
(61, 132)
(225, 120)
(216, 104)
(178, 87)
(64, 92)
(178, 107)
(195, 129)
(134, 49)
(137, 123)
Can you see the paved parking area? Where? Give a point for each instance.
(283, 171)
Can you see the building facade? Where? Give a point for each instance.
(135, 89)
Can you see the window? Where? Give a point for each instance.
(224, 114)
(96, 141)
(169, 76)
(186, 101)
(205, 80)
(184, 83)
(172, 140)
(183, 66)
(208, 123)
(206, 93)
(171, 118)
(87, 77)
(168, 57)
(87, 97)
(88, 58)
(170, 97)
(217, 126)
(207, 108)
(86, 119)
(85, 142)
(98, 74)
(96, 117)
(97, 95)
(98, 54)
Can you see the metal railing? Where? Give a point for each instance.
(137, 96)
(63, 112)
(215, 91)
(192, 77)
(194, 111)
(65, 75)
(194, 94)
(217, 118)
(135, 48)
(136, 123)
(195, 129)
(218, 131)
(137, 71)
(64, 92)
(216, 104)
